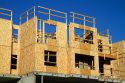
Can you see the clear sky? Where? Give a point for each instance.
(108, 13)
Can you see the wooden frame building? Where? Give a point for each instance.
(45, 46)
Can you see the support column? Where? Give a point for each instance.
(39, 79)
(42, 81)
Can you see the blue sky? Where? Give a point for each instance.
(108, 13)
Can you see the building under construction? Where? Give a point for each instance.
(50, 46)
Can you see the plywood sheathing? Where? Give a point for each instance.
(62, 48)
(39, 57)
(107, 70)
(27, 46)
(5, 45)
(119, 64)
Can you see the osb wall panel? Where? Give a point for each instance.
(71, 34)
(120, 46)
(124, 47)
(51, 69)
(95, 72)
(121, 71)
(52, 44)
(82, 46)
(62, 60)
(27, 60)
(69, 61)
(39, 57)
(114, 65)
(71, 64)
(16, 49)
(5, 45)
(121, 55)
(13, 71)
(61, 34)
(121, 62)
(96, 64)
(28, 33)
(82, 51)
(5, 32)
(85, 72)
(107, 71)
(5, 58)
(27, 46)
(86, 47)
